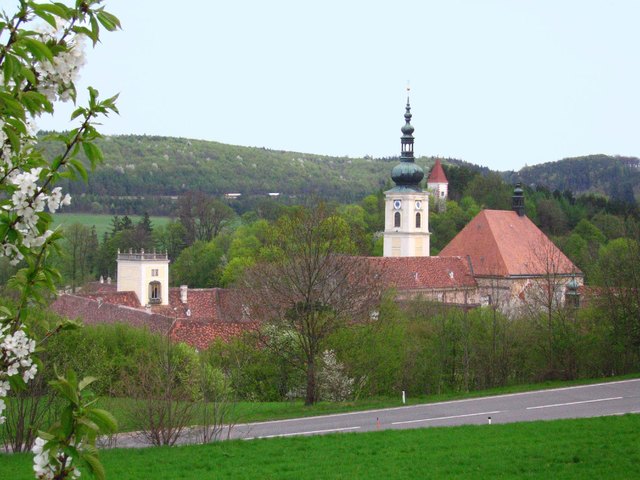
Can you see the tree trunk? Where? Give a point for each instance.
(312, 395)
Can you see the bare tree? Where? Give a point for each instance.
(202, 217)
(218, 404)
(550, 271)
(311, 288)
(81, 246)
(164, 393)
(31, 410)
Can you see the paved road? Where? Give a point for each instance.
(613, 398)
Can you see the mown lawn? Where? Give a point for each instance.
(101, 222)
(607, 447)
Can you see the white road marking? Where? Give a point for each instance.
(574, 403)
(446, 418)
(446, 402)
(305, 433)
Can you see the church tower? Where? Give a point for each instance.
(406, 214)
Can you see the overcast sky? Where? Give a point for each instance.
(500, 83)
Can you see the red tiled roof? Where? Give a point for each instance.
(437, 174)
(502, 243)
(201, 335)
(97, 287)
(93, 311)
(415, 273)
(129, 299)
(202, 304)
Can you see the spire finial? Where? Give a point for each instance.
(407, 175)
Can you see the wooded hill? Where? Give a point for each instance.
(149, 165)
(615, 177)
(158, 168)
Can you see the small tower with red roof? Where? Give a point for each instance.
(437, 183)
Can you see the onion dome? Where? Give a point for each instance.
(407, 174)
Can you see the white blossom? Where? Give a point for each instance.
(15, 358)
(42, 465)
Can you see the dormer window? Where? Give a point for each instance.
(155, 292)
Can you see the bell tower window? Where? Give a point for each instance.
(418, 220)
(396, 220)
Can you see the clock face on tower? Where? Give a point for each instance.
(418, 204)
(397, 204)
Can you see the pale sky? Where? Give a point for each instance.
(499, 83)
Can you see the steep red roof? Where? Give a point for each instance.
(416, 273)
(502, 243)
(437, 174)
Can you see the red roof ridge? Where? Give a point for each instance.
(437, 173)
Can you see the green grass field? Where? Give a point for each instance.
(607, 447)
(101, 222)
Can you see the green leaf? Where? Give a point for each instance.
(85, 382)
(58, 9)
(28, 74)
(108, 21)
(77, 112)
(50, 19)
(64, 388)
(10, 66)
(87, 32)
(36, 102)
(94, 464)
(89, 424)
(17, 383)
(66, 420)
(95, 29)
(104, 419)
(93, 153)
(38, 49)
(11, 106)
(78, 167)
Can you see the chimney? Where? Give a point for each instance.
(183, 293)
(517, 200)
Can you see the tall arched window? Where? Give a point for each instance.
(155, 292)
(396, 220)
(418, 220)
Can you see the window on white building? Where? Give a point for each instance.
(155, 292)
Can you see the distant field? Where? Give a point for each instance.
(607, 447)
(101, 222)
